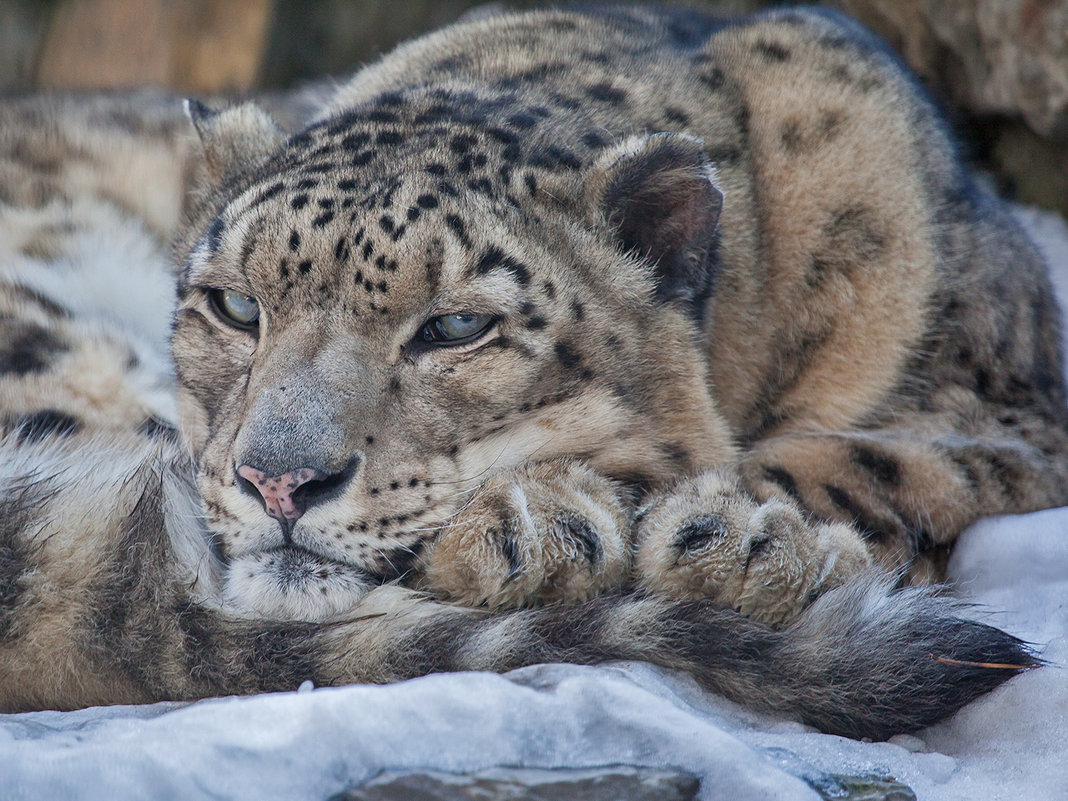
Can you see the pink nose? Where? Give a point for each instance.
(277, 491)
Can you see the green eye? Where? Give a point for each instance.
(237, 309)
(455, 329)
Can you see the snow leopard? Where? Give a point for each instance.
(559, 335)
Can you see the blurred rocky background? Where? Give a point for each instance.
(999, 67)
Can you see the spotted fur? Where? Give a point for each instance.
(735, 332)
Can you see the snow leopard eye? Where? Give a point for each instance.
(236, 309)
(455, 329)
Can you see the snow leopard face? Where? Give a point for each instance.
(373, 324)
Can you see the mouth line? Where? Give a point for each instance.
(292, 551)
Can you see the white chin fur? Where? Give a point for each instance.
(291, 585)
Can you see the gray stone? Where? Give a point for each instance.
(612, 783)
(861, 788)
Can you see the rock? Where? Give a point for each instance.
(862, 788)
(613, 783)
(1004, 57)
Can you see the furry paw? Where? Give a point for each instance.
(550, 531)
(706, 538)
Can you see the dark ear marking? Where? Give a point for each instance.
(235, 139)
(658, 194)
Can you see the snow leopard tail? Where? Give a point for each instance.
(864, 661)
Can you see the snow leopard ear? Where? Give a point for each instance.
(235, 139)
(658, 193)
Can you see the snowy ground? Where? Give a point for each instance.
(314, 743)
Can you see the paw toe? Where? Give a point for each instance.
(581, 534)
(700, 532)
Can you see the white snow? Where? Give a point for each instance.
(316, 742)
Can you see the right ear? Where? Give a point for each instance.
(658, 194)
(235, 139)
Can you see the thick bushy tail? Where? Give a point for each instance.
(864, 661)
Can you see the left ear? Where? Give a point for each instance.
(235, 139)
(658, 194)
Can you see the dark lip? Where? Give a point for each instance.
(297, 550)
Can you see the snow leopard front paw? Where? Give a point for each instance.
(542, 532)
(706, 538)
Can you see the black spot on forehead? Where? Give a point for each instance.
(457, 226)
(267, 194)
(341, 250)
(496, 259)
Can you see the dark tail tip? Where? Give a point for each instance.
(920, 667)
(864, 661)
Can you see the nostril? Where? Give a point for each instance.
(288, 496)
(247, 486)
(325, 487)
